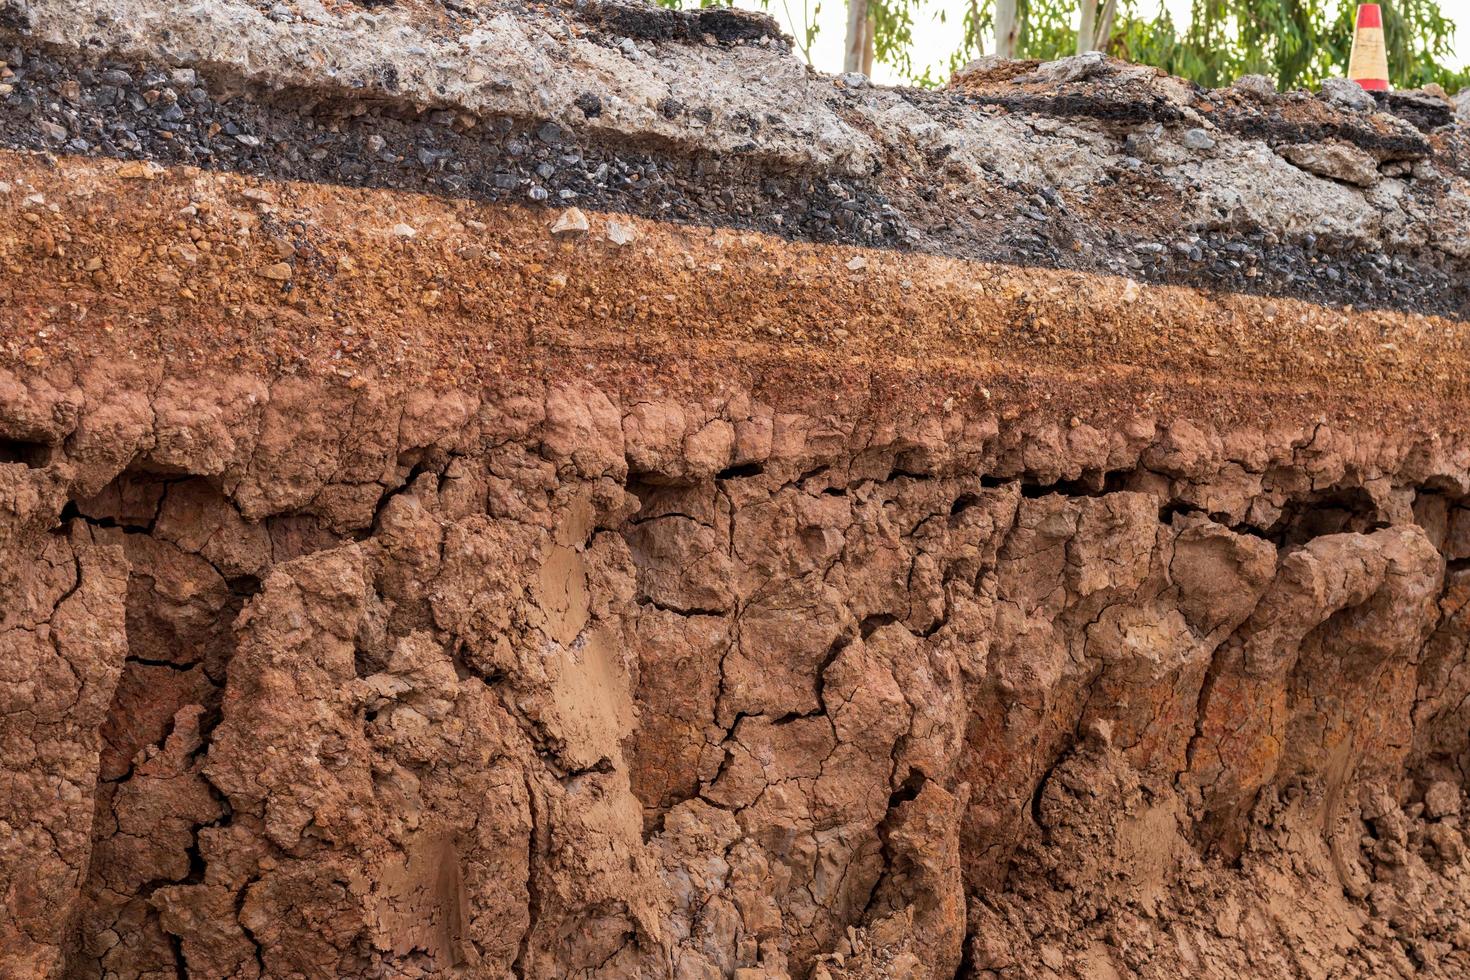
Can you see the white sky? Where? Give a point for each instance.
(935, 42)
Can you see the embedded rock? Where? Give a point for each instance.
(1338, 161)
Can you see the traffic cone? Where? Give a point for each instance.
(1368, 65)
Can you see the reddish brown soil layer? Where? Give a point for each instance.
(214, 270)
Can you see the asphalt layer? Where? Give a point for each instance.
(140, 111)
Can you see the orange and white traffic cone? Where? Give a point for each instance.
(1368, 65)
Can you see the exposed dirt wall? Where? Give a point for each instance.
(312, 680)
(1015, 531)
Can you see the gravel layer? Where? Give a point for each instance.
(56, 102)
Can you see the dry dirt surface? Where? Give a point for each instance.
(1019, 531)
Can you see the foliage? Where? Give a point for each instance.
(1297, 42)
(893, 37)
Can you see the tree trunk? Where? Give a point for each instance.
(1007, 30)
(857, 36)
(870, 40)
(1105, 26)
(1094, 26)
(1086, 26)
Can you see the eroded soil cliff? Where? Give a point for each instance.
(1048, 557)
(308, 680)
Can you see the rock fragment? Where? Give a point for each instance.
(1337, 161)
(620, 232)
(570, 222)
(1198, 139)
(1348, 95)
(1258, 86)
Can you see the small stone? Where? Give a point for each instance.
(619, 233)
(402, 230)
(571, 222)
(92, 265)
(857, 263)
(1436, 91)
(139, 170)
(34, 356)
(1348, 95)
(1073, 68)
(51, 131)
(537, 194)
(375, 144)
(590, 104)
(258, 195)
(280, 272)
(245, 139)
(1198, 139)
(1259, 86)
